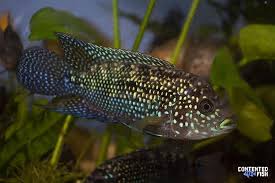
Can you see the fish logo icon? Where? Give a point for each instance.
(249, 174)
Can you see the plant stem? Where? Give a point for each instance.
(184, 31)
(143, 25)
(104, 146)
(116, 24)
(60, 141)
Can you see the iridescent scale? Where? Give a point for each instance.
(133, 91)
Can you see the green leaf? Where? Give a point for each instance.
(257, 42)
(225, 74)
(267, 94)
(47, 20)
(254, 123)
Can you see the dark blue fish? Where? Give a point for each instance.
(155, 165)
(118, 85)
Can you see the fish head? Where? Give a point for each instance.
(199, 113)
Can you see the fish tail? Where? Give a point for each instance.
(42, 71)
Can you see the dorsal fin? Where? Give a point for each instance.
(80, 54)
(74, 52)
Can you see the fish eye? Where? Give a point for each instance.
(206, 106)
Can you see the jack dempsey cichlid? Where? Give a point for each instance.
(116, 85)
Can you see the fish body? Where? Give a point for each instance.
(140, 91)
(161, 164)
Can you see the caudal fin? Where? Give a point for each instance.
(41, 72)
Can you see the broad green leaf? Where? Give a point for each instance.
(225, 74)
(48, 20)
(267, 94)
(257, 42)
(252, 122)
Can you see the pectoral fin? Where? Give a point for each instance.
(160, 129)
(151, 125)
(73, 105)
(166, 129)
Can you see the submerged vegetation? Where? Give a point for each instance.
(35, 142)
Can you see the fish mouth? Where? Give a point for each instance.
(228, 124)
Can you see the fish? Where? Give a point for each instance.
(157, 164)
(117, 85)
